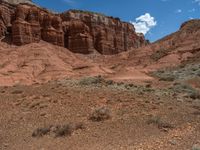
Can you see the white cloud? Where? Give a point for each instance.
(144, 23)
(69, 2)
(178, 11)
(192, 10)
(197, 1)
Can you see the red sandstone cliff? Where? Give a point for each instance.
(83, 32)
(107, 35)
(79, 31)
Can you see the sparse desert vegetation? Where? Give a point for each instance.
(81, 80)
(159, 54)
(100, 114)
(57, 130)
(114, 107)
(156, 120)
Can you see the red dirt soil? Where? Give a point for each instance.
(42, 62)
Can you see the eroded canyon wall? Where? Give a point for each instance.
(79, 31)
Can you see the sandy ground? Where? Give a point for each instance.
(141, 117)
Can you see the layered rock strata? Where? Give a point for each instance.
(79, 31)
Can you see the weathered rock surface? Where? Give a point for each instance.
(107, 35)
(18, 1)
(179, 47)
(79, 31)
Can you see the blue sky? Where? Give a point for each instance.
(155, 18)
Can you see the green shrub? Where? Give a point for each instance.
(160, 123)
(198, 73)
(110, 82)
(58, 130)
(181, 87)
(164, 75)
(194, 95)
(65, 130)
(185, 88)
(91, 80)
(159, 54)
(17, 92)
(154, 120)
(196, 147)
(167, 77)
(100, 114)
(86, 12)
(39, 132)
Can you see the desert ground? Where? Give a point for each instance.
(140, 108)
(81, 80)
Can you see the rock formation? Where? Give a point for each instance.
(79, 31)
(18, 1)
(107, 35)
(25, 27)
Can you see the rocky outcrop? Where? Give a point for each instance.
(32, 24)
(183, 39)
(6, 12)
(52, 30)
(77, 37)
(18, 1)
(26, 27)
(107, 35)
(79, 31)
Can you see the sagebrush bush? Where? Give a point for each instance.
(196, 147)
(100, 114)
(65, 130)
(185, 88)
(58, 130)
(160, 123)
(39, 132)
(17, 92)
(159, 54)
(195, 95)
(198, 73)
(91, 80)
(167, 77)
(86, 12)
